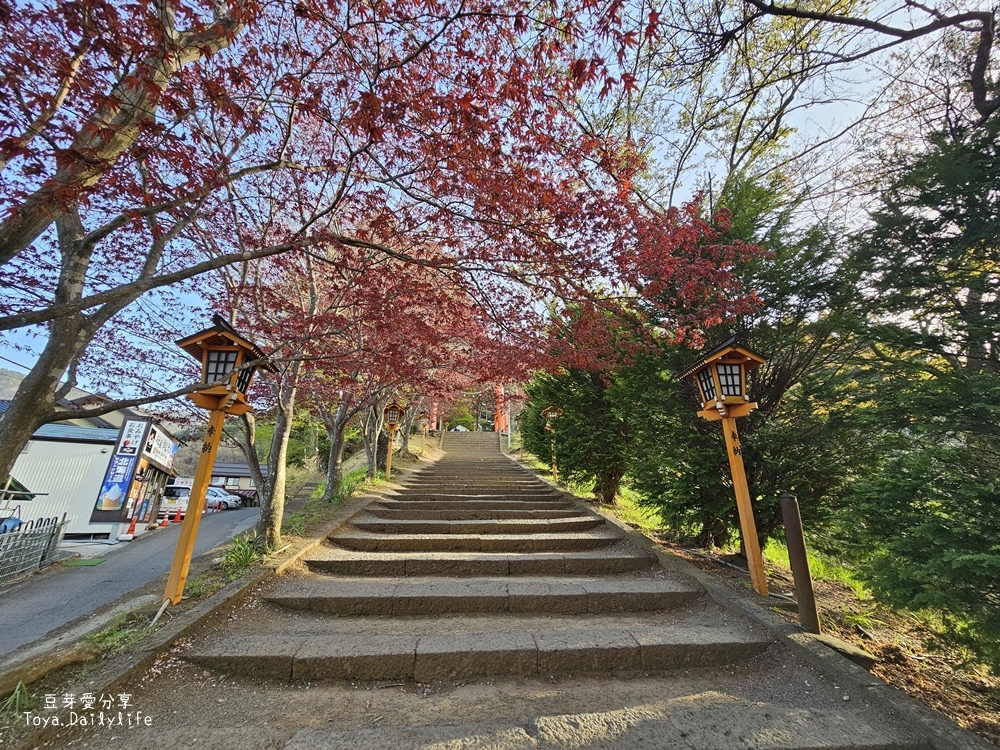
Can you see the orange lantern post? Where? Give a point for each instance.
(721, 376)
(393, 416)
(551, 413)
(228, 363)
(423, 421)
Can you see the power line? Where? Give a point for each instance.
(16, 364)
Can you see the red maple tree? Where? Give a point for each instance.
(143, 144)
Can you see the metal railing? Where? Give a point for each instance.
(25, 549)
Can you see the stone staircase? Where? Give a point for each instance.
(476, 569)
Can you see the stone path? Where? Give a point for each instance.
(502, 614)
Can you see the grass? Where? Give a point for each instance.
(821, 568)
(349, 484)
(315, 510)
(628, 508)
(17, 702)
(243, 554)
(123, 631)
(295, 524)
(205, 584)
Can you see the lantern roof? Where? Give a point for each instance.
(222, 334)
(726, 350)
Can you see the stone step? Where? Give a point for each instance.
(377, 525)
(429, 596)
(491, 488)
(610, 561)
(475, 475)
(699, 722)
(456, 514)
(481, 480)
(540, 496)
(533, 648)
(480, 477)
(472, 502)
(362, 540)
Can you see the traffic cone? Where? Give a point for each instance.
(177, 516)
(130, 534)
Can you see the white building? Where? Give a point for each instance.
(65, 465)
(68, 469)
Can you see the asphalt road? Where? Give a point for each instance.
(47, 601)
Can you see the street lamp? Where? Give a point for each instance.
(393, 416)
(550, 413)
(721, 376)
(225, 358)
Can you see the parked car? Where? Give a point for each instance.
(177, 498)
(219, 498)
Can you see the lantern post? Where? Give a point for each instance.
(423, 420)
(721, 378)
(551, 413)
(226, 372)
(393, 416)
(520, 438)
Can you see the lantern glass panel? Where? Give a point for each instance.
(243, 381)
(730, 379)
(707, 384)
(221, 362)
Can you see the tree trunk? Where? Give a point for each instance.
(608, 483)
(32, 403)
(248, 444)
(35, 400)
(404, 431)
(336, 430)
(369, 440)
(404, 435)
(334, 467)
(273, 504)
(382, 454)
(110, 131)
(371, 428)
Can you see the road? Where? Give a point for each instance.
(45, 602)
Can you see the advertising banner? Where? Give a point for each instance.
(114, 493)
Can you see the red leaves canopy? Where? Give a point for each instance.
(435, 133)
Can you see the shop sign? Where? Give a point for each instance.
(160, 449)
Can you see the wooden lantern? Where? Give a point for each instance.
(224, 355)
(721, 376)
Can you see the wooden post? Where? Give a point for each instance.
(555, 469)
(388, 453)
(747, 526)
(797, 558)
(192, 516)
